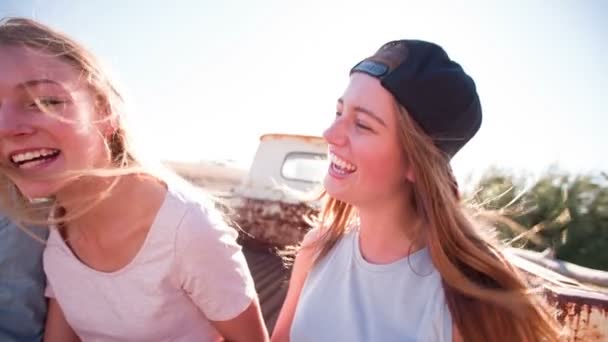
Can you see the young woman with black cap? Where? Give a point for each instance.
(396, 257)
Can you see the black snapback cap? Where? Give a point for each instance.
(441, 98)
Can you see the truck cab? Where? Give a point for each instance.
(285, 162)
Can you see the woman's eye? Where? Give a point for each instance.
(363, 126)
(338, 114)
(45, 103)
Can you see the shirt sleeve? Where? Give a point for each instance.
(211, 266)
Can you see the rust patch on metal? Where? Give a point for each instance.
(585, 317)
(272, 223)
(306, 138)
(582, 312)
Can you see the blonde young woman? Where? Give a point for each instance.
(131, 256)
(395, 257)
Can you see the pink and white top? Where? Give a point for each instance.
(189, 270)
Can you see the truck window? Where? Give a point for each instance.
(304, 167)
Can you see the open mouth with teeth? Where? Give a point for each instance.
(341, 166)
(32, 158)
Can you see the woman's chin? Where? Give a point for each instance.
(337, 191)
(37, 190)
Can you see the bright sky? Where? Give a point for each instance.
(206, 78)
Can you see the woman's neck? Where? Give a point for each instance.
(115, 202)
(388, 230)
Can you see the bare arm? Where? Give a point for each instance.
(248, 326)
(301, 266)
(57, 328)
(456, 336)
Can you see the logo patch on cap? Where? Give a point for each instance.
(372, 68)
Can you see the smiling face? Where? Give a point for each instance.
(367, 160)
(49, 121)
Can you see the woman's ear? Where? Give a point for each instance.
(108, 129)
(106, 119)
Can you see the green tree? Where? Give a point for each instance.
(566, 214)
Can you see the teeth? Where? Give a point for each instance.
(343, 164)
(22, 157)
(30, 164)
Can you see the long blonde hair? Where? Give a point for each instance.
(30, 34)
(487, 298)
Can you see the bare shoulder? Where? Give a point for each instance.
(311, 237)
(302, 265)
(456, 336)
(309, 249)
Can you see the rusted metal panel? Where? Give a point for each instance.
(268, 229)
(581, 309)
(272, 223)
(584, 313)
(271, 281)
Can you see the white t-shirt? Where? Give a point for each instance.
(188, 271)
